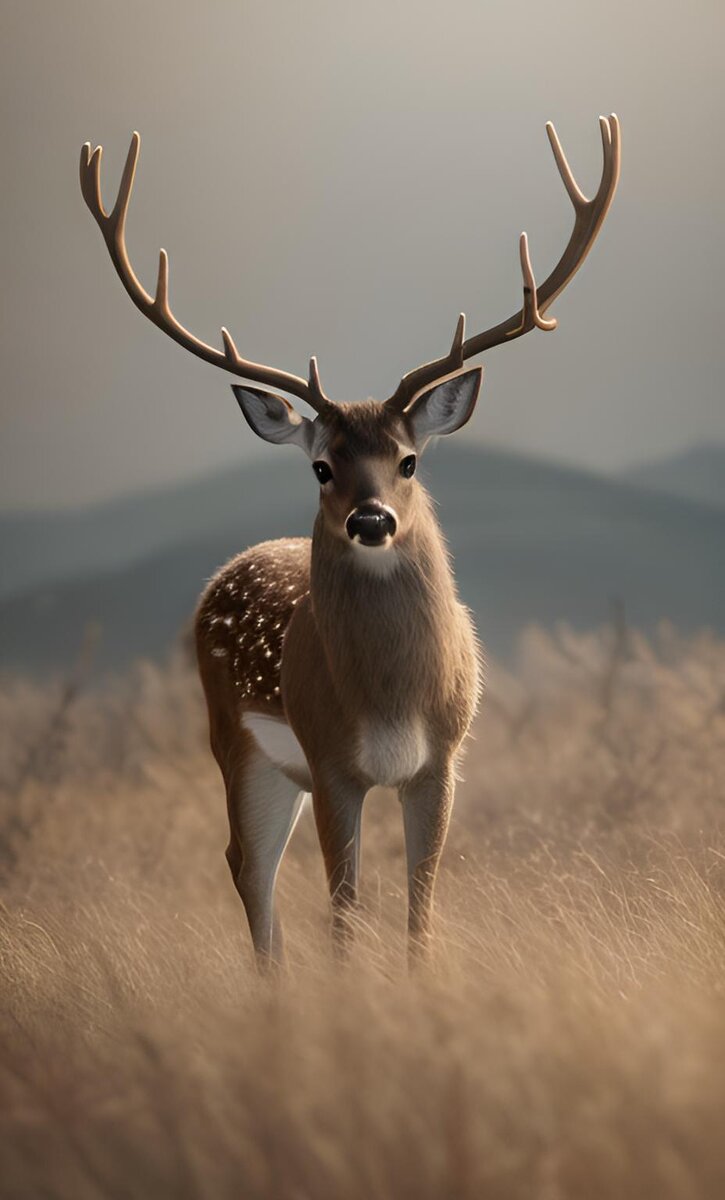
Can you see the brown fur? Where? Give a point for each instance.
(304, 630)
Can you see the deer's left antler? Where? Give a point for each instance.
(589, 215)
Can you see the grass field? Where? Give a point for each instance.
(568, 1040)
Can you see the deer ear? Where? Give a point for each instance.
(273, 418)
(445, 407)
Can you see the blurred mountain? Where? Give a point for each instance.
(531, 540)
(696, 474)
(36, 548)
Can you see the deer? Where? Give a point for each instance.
(344, 661)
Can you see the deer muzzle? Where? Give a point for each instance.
(371, 524)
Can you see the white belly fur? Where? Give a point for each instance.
(275, 739)
(389, 754)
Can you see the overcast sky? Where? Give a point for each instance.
(342, 179)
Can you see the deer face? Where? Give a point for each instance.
(364, 458)
(365, 455)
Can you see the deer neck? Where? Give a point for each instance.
(386, 634)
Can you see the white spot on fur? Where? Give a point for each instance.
(275, 739)
(389, 754)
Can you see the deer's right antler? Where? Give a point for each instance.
(156, 307)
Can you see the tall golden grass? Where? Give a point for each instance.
(568, 1040)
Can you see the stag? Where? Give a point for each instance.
(337, 663)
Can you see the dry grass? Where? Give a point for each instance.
(568, 1042)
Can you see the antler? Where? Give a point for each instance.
(589, 215)
(156, 307)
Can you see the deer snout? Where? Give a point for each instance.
(371, 523)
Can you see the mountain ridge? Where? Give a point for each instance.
(531, 542)
(696, 473)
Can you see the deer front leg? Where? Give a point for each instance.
(338, 814)
(427, 801)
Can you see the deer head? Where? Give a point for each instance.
(364, 455)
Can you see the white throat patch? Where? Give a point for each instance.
(378, 560)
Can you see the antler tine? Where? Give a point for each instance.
(436, 369)
(576, 195)
(530, 313)
(588, 219)
(456, 351)
(161, 298)
(156, 308)
(91, 177)
(125, 187)
(315, 385)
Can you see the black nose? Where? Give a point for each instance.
(371, 523)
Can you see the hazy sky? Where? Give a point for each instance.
(342, 179)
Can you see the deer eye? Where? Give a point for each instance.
(407, 466)
(322, 471)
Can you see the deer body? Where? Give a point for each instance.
(342, 675)
(335, 664)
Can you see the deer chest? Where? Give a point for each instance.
(390, 752)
